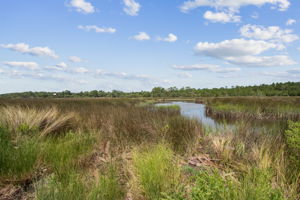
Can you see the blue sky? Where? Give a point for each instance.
(132, 45)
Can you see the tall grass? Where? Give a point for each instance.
(45, 121)
(124, 148)
(155, 170)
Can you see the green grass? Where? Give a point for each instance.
(156, 170)
(62, 153)
(171, 107)
(121, 148)
(17, 161)
(108, 187)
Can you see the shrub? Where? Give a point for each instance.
(292, 135)
(211, 186)
(257, 185)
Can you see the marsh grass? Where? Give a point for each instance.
(138, 151)
(156, 171)
(16, 161)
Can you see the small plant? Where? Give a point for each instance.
(212, 186)
(156, 171)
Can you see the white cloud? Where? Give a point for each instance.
(208, 67)
(25, 48)
(273, 33)
(223, 17)
(75, 59)
(131, 7)
(255, 15)
(170, 38)
(244, 52)
(26, 65)
(281, 5)
(294, 71)
(234, 48)
(80, 70)
(184, 75)
(290, 22)
(59, 67)
(261, 61)
(142, 36)
(97, 29)
(82, 6)
(284, 74)
(123, 75)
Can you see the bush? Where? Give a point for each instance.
(292, 135)
(211, 186)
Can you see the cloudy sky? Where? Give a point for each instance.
(132, 45)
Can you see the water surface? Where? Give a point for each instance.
(193, 110)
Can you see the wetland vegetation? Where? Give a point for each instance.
(118, 148)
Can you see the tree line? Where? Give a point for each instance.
(274, 89)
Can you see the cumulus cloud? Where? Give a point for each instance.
(262, 61)
(26, 49)
(123, 75)
(223, 17)
(82, 6)
(142, 36)
(97, 29)
(290, 22)
(208, 67)
(273, 33)
(234, 48)
(75, 59)
(281, 5)
(59, 67)
(170, 38)
(244, 52)
(26, 65)
(131, 7)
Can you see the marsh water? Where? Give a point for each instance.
(193, 110)
(198, 111)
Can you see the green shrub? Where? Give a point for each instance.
(211, 186)
(257, 185)
(292, 135)
(155, 170)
